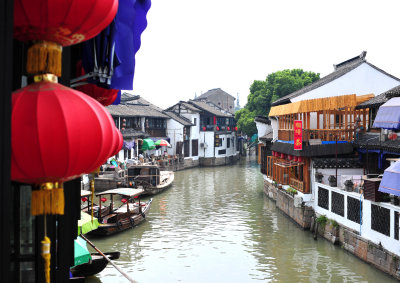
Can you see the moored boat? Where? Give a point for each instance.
(150, 178)
(96, 265)
(129, 214)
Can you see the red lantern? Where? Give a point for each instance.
(282, 155)
(228, 128)
(290, 157)
(69, 134)
(65, 22)
(119, 142)
(204, 128)
(299, 159)
(235, 128)
(103, 199)
(295, 158)
(84, 199)
(217, 128)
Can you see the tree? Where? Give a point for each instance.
(263, 93)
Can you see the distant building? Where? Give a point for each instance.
(212, 140)
(220, 98)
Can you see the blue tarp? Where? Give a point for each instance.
(391, 180)
(388, 116)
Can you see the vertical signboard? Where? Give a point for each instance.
(298, 139)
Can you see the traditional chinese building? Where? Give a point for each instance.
(312, 128)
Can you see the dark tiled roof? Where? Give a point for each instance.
(313, 150)
(131, 133)
(184, 106)
(215, 91)
(340, 70)
(267, 137)
(262, 119)
(125, 97)
(209, 107)
(341, 163)
(380, 99)
(183, 120)
(372, 141)
(135, 110)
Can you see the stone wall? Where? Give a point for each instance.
(218, 161)
(301, 214)
(349, 239)
(366, 250)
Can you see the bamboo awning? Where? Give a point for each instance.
(320, 104)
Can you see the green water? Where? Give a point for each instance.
(216, 225)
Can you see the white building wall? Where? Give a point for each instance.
(207, 138)
(263, 129)
(175, 133)
(388, 242)
(362, 80)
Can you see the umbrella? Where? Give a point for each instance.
(388, 116)
(81, 252)
(148, 144)
(162, 143)
(391, 180)
(85, 224)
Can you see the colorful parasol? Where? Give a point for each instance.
(162, 143)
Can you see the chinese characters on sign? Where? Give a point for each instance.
(298, 140)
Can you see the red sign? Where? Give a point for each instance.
(298, 139)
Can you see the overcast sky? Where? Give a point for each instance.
(191, 46)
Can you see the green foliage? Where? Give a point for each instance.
(263, 93)
(322, 220)
(291, 191)
(334, 223)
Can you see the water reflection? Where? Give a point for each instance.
(215, 225)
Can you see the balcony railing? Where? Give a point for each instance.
(322, 134)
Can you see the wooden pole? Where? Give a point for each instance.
(109, 260)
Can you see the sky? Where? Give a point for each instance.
(192, 46)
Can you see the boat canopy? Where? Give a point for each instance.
(85, 193)
(129, 192)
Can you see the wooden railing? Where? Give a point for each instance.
(296, 184)
(322, 134)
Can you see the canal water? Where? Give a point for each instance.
(216, 225)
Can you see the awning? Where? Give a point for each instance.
(85, 224)
(388, 116)
(391, 180)
(319, 104)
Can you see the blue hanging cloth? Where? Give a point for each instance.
(110, 56)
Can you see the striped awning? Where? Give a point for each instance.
(388, 116)
(320, 104)
(391, 180)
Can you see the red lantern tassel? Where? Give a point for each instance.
(44, 57)
(49, 199)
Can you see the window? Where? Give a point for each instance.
(228, 143)
(195, 121)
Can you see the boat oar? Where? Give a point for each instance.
(109, 260)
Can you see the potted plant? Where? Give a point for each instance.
(318, 177)
(332, 181)
(348, 185)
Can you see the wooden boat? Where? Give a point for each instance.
(87, 206)
(126, 216)
(150, 178)
(96, 265)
